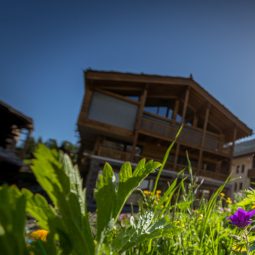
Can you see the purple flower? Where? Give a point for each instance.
(241, 218)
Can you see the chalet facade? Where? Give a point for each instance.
(15, 129)
(243, 166)
(131, 116)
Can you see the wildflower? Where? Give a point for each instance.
(229, 201)
(241, 218)
(222, 194)
(200, 216)
(40, 234)
(146, 192)
(239, 248)
(158, 193)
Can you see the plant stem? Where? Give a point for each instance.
(246, 241)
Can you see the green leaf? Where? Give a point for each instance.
(140, 231)
(38, 207)
(12, 221)
(111, 196)
(68, 217)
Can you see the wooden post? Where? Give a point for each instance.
(195, 120)
(185, 106)
(138, 122)
(232, 148)
(176, 109)
(86, 103)
(203, 137)
(184, 111)
(26, 144)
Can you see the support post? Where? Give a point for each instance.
(138, 122)
(203, 137)
(176, 109)
(232, 148)
(185, 106)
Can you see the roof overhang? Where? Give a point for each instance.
(199, 97)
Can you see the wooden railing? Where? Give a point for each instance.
(125, 156)
(213, 175)
(113, 153)
(190, 136)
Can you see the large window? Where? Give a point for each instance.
(113, 111)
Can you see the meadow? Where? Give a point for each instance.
(173, 222)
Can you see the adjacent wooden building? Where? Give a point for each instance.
(15, 130)
(131, 116)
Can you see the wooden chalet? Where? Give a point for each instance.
(131, 116)
(15, 129)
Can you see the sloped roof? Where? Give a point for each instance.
(220, 114)
(21, 118)
(244, 148)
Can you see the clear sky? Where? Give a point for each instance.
(46, 44)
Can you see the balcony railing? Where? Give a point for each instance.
(125, 156)
(190, 136)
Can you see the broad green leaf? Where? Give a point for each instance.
(68, 218)
(12, 221)
(142, 230)
(38, 207)
(111, 196)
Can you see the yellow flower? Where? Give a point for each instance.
(158, 193)
(200, 216)
(229, 200)
(39, 234)
(238, 248)
(146, 192)
(222, 194)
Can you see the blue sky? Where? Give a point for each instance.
(46, 44)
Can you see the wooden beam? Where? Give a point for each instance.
(195, 121)
(117, 96)
(137, 78)
(176, 109)
(86, 103)
(203, 137)
(96, 126)
(233, 146)
(138, 122)
(186, 100)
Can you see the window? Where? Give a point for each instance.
(243, 168)
(240, 185)
(237, 169)
(252, 183)
(235, 189)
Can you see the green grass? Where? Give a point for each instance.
(174, 223)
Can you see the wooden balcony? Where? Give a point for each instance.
(213, 175)
(113, 153)
(202, 173)
(166, 129)
(125, 156)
